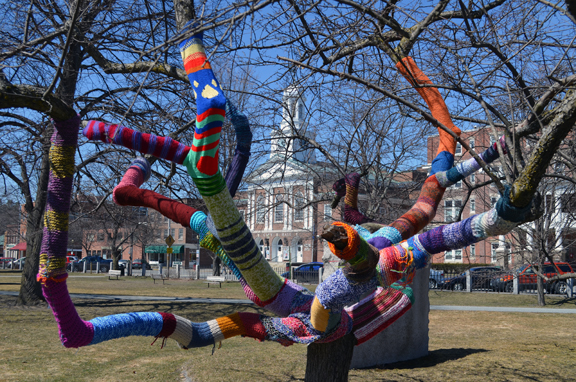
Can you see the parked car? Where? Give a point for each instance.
(480, 279)
(5, 260)
(71, 259)
(17, 264)
(137, 264)
(436, 277)
(123, 263)
(527, 279)
(105, 264)
(306, 272)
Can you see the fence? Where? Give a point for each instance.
(493, 280)
(307, 277)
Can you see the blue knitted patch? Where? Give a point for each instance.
(443, 162)
(363, 232)
(389, 233)
(337, 291)
(198, 223)
(420, 255)
(201, 335)
(509, 212)
(454, 175)
(124, 325)
(212, 227)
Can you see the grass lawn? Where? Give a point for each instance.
(464, 346)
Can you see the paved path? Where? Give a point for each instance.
(239, 301)
(501, 309)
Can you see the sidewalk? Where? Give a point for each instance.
(238, 301)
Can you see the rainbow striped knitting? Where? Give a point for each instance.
(400, 261)
(202, 159)
(304, 317)
(423, 211)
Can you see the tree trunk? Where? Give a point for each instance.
(330, 361)
(116, 255)
(216, 262)
(30, 288)
(540, 287)
(540, 282)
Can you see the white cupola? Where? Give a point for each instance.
(293, 120)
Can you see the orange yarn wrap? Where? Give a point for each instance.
(351, 249)
(433, 99)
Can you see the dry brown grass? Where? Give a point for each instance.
(141, 286)
(464, 346)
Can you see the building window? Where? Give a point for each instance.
(172, 232)
(457, 255)
(471, 143)
(451, 210)
(300, 111)
(279, 251)
(260, 209)
(472, 206)
(100, 236)
(492, 139)
(180, 233)
(473, 251)
(493, 249)
(165, 233)
(457, 184)
(472, 178)
(299, 207)
(279, 210)
(327, 211)
(242, 214)
(458, 149)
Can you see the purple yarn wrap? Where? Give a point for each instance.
(282, 303)
(74, 332)
(54, 243)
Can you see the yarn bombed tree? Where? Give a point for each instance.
(379, 264)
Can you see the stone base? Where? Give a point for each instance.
(405, 339)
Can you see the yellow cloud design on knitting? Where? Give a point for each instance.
(209, 92)
(195, 84)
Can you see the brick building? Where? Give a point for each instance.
(287, 199)
(462, 201)
(146, 240)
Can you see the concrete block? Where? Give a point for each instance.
(405, 339)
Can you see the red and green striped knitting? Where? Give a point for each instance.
(202, 159)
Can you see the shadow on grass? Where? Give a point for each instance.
(434, 358)
(197, 312)
(566, 300)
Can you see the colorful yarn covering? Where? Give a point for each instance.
(304, 317)
(442, 175)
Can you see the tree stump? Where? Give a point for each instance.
(330, 361)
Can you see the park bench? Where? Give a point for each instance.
(115, 273)
(158, 276)
(215, 280)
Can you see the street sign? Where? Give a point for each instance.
(169, 240)
(169, 250)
